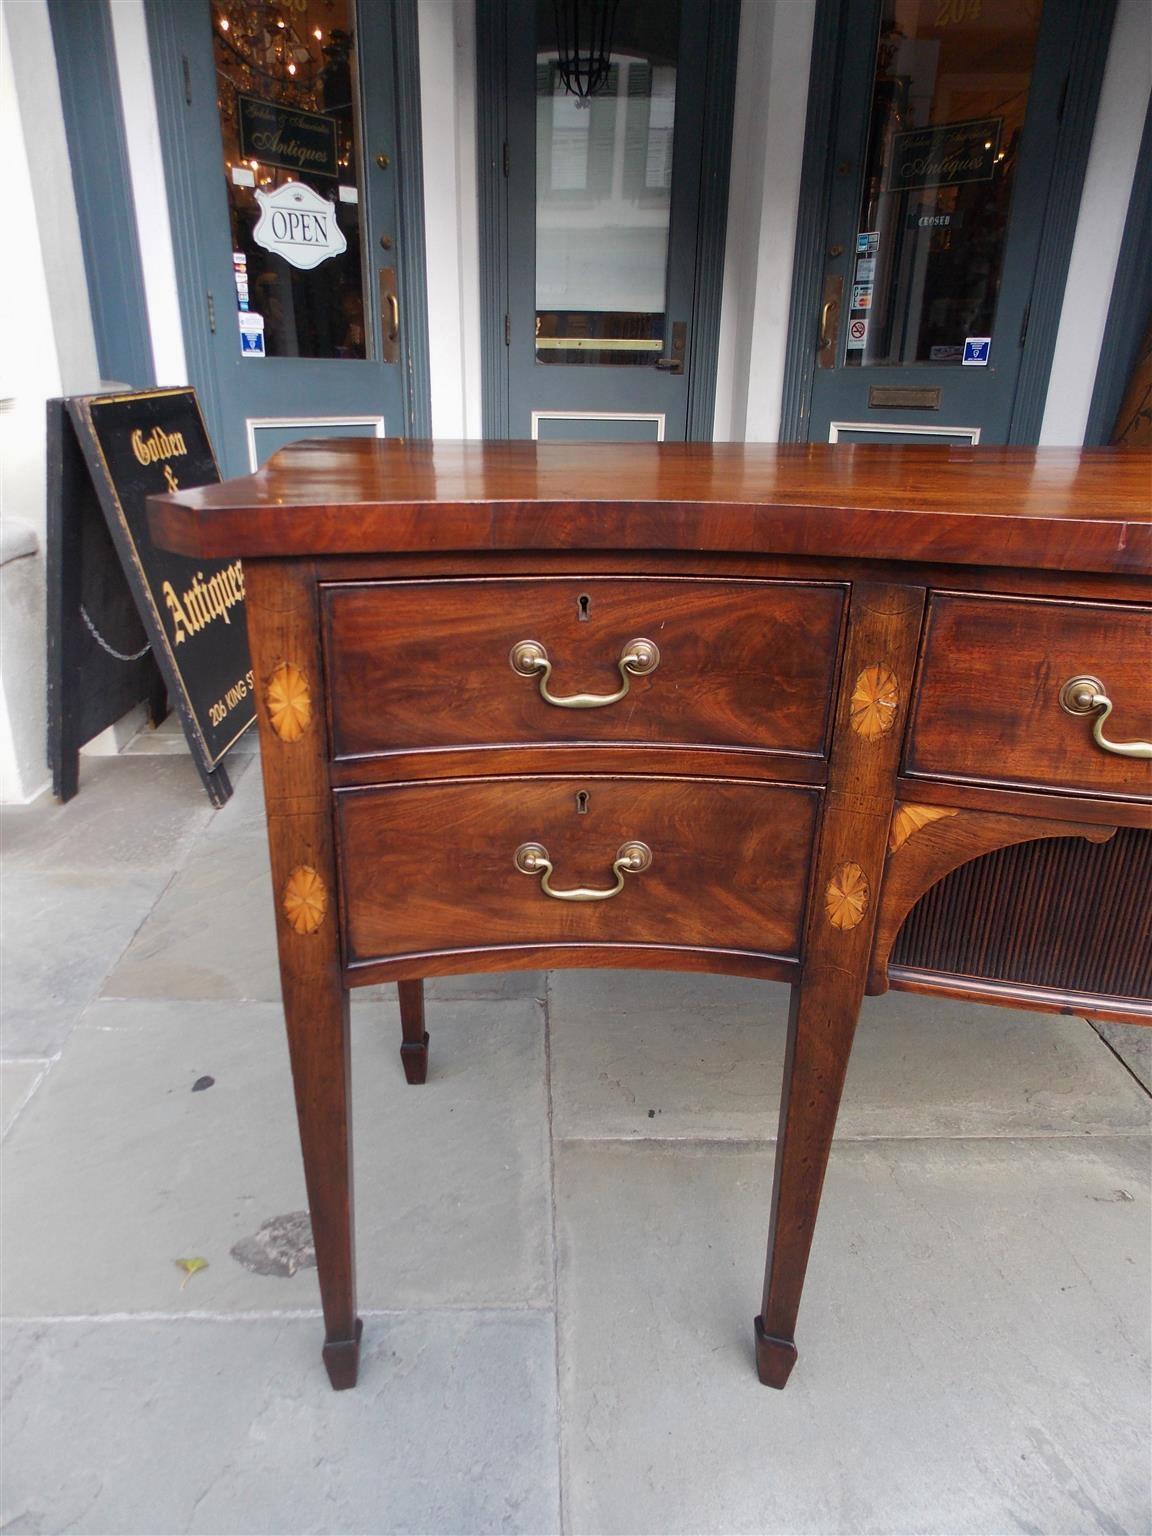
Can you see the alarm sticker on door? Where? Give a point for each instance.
(857, 331)
(251, 334)
(976, 350)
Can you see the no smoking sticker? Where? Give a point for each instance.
(857, 332)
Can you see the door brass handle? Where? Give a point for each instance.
(393, 317)
(631, 859)
(1086, 696)
(828, 335)
(530, 659)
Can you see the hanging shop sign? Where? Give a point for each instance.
(297, 223)
(142, 445)
(944, 156)
(287, 137)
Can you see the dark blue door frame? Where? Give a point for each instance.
(837, 29)
(193, 253)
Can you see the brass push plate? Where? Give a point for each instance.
(896, 397)
(389, 316)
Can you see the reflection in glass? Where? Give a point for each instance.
(603, 191)
(950, 93)
(285, 78)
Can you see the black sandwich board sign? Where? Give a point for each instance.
(192, 611)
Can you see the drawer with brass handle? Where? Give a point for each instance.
(660, 661)
(1035, 693)
(629, 861)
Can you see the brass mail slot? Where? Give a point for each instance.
(894, 397)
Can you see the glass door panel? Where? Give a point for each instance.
(289, 124)
(605, 122)
(949, 96)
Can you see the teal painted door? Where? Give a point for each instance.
(292, 262)
(941, 170)
(606, 140)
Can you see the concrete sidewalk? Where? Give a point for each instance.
(560, 1236)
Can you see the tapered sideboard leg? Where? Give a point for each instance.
(316, 1016)
(284, 628)
(414, 1049)
(879, 660)
(820, 1031)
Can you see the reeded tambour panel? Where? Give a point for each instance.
(1060, 913)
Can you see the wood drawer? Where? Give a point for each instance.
(988, 698)
(431, 867)
(415, 665)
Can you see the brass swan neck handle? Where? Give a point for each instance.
(1086, 696)
(530, 659)
(631, 859)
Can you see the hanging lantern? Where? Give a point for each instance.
(584, 44)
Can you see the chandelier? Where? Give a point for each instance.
(584, 44)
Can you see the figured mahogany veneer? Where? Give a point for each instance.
(860, 657)
(720, 681)
(742, 851)
(988, 694)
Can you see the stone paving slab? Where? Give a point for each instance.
(118, 1169)
(660, 1054)
(213, 934)
(974, 1348)
(130, 814)
(1133, 1044)
(60, 935)
(146, 1427)
(18, 1082)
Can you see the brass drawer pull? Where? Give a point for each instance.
(530, 659)
(632, 858)
(1082, 696)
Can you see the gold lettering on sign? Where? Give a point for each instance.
(846, 897)
(158, 445)
(305, 899)
(204, 601)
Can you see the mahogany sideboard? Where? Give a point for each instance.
(703, 707)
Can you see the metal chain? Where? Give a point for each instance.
(111, 649)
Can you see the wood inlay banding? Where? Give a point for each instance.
(305, 899)
(289, 701)
(846, 897)
(875, 702)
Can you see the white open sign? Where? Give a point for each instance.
(298, 224)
